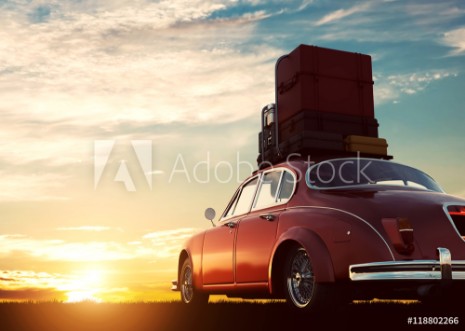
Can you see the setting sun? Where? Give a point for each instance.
(85, 287)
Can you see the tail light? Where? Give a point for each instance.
(400, 232)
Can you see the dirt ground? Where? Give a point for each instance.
(225, 316)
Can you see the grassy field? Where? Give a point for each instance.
(217, 316)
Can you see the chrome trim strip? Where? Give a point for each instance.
(357, 217)
(405, 275)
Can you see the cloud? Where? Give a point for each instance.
(392, 87)
(342, 13)
(16, 279)
(31, 294)
(60, 250)
(116, 69)
(156, 64)
(456, 40)
(388, 21)
(434, 13)
(158, 244)
(90, 228)
(170, 235)
(168, 243)
(31, 187)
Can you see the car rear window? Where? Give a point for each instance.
(353, 172)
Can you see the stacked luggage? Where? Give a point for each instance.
(323, 109)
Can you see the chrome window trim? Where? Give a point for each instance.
(237, 196)
(259, 176)
(257, 193)
(280, 188)
(445, 207)
(278, 191)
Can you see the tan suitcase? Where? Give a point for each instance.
(363, 144)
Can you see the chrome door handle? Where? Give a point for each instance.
(268, 217)
(230, 225)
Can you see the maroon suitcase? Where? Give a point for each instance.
(305, 142)
(326, 80)
(328, 122)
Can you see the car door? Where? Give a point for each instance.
(256, 234)
(218, 249)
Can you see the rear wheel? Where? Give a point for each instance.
(302, 291)
(189, 294)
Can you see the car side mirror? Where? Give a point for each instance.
(210, 214)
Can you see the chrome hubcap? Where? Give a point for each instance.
(186, 285)
(300, 280)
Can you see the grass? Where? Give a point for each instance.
(222, 316)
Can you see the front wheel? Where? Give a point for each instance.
(301, 289)
(189, 294)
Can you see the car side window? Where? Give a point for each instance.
(244, 200)
(276, 187)
(268, 189)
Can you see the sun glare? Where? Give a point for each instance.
(80, 296)
(85, 286)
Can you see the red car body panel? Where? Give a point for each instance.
(254, 247)
(218, 257)
(338, 228)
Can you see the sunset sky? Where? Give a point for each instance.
(122, 120)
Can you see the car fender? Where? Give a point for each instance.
(193, 250)
(315, 247)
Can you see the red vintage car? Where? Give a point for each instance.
(335, 230)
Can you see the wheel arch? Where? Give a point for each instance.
(316, 249)
(182, 257)
(192, 250)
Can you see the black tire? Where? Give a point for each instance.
(303, 293)
(189, 294)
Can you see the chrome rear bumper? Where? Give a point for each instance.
(442, 269)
